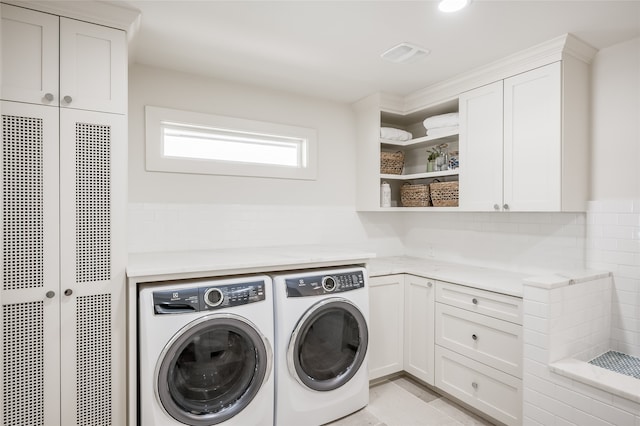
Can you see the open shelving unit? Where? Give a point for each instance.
(416, 152)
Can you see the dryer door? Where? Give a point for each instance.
(212, 369)
(328, 345)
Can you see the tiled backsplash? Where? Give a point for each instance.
(523, 242)
(613, 244)
(608, 237)
(173, 226)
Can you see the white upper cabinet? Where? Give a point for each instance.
(523, 136)
(532, 140)
(481, 146)
(93, 70)
(48, 60)
(29, 56)
(519, 153)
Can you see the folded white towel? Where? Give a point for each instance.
(439, 131)
(395, 134)
(442, 120)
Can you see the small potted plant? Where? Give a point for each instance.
(434, 153)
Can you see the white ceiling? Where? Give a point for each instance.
(331, 49)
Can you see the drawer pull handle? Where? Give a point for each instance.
(50, 294)
(474, 385)
(474, 337)
(68, 292)
(474, 301)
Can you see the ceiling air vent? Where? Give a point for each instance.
(405, 52)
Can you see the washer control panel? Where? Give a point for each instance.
(324, 284)
(207, 298)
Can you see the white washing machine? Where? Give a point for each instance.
(321, 345)
(205, 352)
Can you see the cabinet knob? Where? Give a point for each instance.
(474, 301)
(67, 99)
(48, 97)
(506, 206)
(496, 207)
(474, 385)
(68, 292)
(50, 294)
(429, 284)
(474, 337)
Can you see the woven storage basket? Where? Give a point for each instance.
(444, 194)
(391, 163)
(414, 195)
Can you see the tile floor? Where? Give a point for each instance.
(401, 401)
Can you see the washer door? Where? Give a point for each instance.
(212, 369)
(328, 345)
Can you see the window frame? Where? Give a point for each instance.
(156, 161)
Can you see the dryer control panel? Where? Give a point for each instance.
(207, 298)
(324, 284)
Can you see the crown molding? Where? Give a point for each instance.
(109, 14)
(539, 55)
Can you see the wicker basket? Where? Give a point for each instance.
(391, 163)
(444, 194)
(415, 195)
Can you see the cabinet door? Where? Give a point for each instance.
(30, 272)
(386, 321)
(532, 140)
(93, 67)
(92, 251)
(419, 327)
(29, 56)
(481, 127)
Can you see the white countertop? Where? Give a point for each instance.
(499, 281)
(240, 260)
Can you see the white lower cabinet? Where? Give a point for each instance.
(418, 327)
(386, 325)
(485, 388)
(478, 350)
(482, 338)
(462, 340)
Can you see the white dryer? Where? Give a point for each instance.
(205, 352)
(321, 345)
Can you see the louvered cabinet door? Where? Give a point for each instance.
(92, 205)
(30, 272)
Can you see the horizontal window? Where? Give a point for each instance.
(189, 142)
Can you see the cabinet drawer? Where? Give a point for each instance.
(496, 305)
(488, 340)
(491, 391)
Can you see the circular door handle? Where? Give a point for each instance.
(474, 336)
(48, 97)
(496, 207)
(506, 206)
(474, 385)
(67, 99)
(474, 301)
(68, 292)
(50, 294)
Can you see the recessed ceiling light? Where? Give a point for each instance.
(404, 52)
(453, 5)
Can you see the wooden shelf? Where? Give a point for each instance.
(413, 176)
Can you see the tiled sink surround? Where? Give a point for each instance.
(613, 244)
(567, 322)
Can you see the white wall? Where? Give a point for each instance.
(613, 220)
(172, 211)
(334, 123)
(616, 122)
